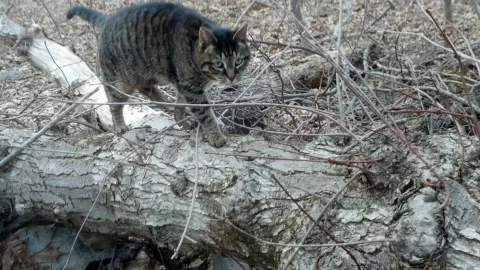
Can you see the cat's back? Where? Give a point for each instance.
(158, 14)
(148, 42)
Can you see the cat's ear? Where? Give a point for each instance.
(206, 36)
(241, 34)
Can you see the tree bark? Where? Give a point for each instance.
(148, 194)
(146, 181)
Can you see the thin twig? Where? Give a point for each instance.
(194, 195)
(9, 9)
(54, 121)
(340, 51)
(226, 251)
(102, 184)
(459, 115)
(244, 13)
(312, 159)
(254, 80)
(29, 112)
(476, 7)
(28, 105)
(82, 123)
(330, 202)
(390, 7)
(344, 244)
(475, 124)
(287, 133)
(66, 80)
(462, 55)
(288, 45)
(315, 222)
(276, 70)
(54, 22)
(327, 115)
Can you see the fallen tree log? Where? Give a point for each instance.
(148, 194)
(142, 185)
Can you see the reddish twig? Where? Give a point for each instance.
(427, 266)
(432, 112)
(315, 222)
(474, 119)
(262, 241)
(317, 159)
(224, 250)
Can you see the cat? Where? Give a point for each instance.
(156, 43)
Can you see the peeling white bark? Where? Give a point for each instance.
(68, 69)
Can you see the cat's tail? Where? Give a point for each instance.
(89, 15)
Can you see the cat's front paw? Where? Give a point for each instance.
(216, 140)
(121, 129)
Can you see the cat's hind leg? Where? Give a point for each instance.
(118, 92)
(179, 112)
(152, 93)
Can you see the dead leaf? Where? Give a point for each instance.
(13, 255)
(10, 249)
(48, 254)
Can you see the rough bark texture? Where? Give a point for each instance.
(137, 198)
(147, 191)
(142, 199)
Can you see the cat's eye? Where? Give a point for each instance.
(218, 64)
(238, 61)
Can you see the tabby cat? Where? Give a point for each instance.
(155, 43)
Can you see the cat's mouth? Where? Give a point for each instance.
(222, 79)
(225, 81)
(219, 79)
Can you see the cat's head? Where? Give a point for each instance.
(223, 53)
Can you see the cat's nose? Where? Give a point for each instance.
(231, 75)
